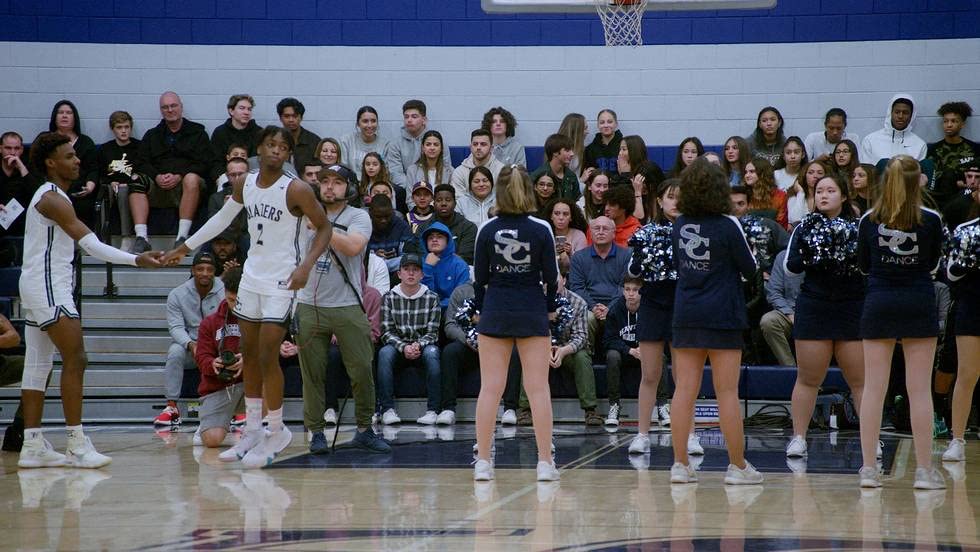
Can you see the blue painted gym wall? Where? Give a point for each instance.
(463, 23)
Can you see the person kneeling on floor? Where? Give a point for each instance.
(220, 362)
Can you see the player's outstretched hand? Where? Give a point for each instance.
(172, 257)
(150, 259)
(298, 278)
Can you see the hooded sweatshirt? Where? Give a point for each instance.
(461, 174)
(222, 323)
(407, 319)
(510, 152)
(888, 142)
(353, 149)
(186, 309)
(463, 232)
(225, 135)
(476, 210)
(403, 152)
(603, 156)
(450, 272)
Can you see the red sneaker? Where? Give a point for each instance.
(169, 417)
(238, 420)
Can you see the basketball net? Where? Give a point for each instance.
(622, 21)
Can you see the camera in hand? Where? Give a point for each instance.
(228, 358)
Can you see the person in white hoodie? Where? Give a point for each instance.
(364, 140)
(897, 136)
(403, 152)
(479, 198)
(480, 156)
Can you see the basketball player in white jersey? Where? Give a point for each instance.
(46, 283)
(275, 268)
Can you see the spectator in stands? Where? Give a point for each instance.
(776, 238)
(896, 137)
(619, 204)
(422, 211)
(227, 254)
(558, 154)
(603, 152)
(961, 209)
(430, 165)
(544, 190)
(766, 200)
(11, 372)
(389, 232)
(331, 305)
(463, 231)
(951, 154)
(66, 121)
(443, 270)
(461, 351)
(620, 343)
(119, 164)
(187, 305)
(502, 126)
(363, 140)
(327, 152)
(767, 140)
(481, 155)
(291, 112)
(568, 225)
(736, 156)
(311, 172)
(236, 169)
(596, 185)
(689, 150)
(16, 180)
(845, 160)
(575, 128)
(374, 171)
(405, 151)
(597, 274)
(177, 154)
(799, 198)
(864, 182)
(632, 155)
(782, 289)
(794, 157)
(410, 318)
(570, 352)
(646, 178)
(221, 389)
(239, 129)
(479, 198)
(819, 146)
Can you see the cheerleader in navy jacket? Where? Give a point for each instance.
(899, 246)
(963, 270)
(653, 260)
(712, 256)
(827, 321)
(515, 253)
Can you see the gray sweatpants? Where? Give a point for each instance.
(178, 360)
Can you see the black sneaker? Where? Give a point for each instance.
(369, 441)
(887, 422)
(319, 443)
(140, 245)
(13, 438)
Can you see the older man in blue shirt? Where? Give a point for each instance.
(597, 273)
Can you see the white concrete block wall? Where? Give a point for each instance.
(662, 93)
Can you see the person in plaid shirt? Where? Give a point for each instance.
(410, 319)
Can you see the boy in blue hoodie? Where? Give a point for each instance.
(443, 270)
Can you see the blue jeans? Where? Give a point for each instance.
(389, 357)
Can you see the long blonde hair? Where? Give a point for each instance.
(515, 195)
(573, 126)
(899, 205)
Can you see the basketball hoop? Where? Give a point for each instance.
(622, 21)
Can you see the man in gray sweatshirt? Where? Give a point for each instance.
(403, 152)
(187, 305)
(782, 290)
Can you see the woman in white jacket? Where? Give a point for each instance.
(479, 200)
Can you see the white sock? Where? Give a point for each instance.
(32, 434)
(183, 228)
(140, 230)
(253, 414)
(275, 420)
(75, 435)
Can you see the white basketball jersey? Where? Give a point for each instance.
(46, 277)
(274, 232)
